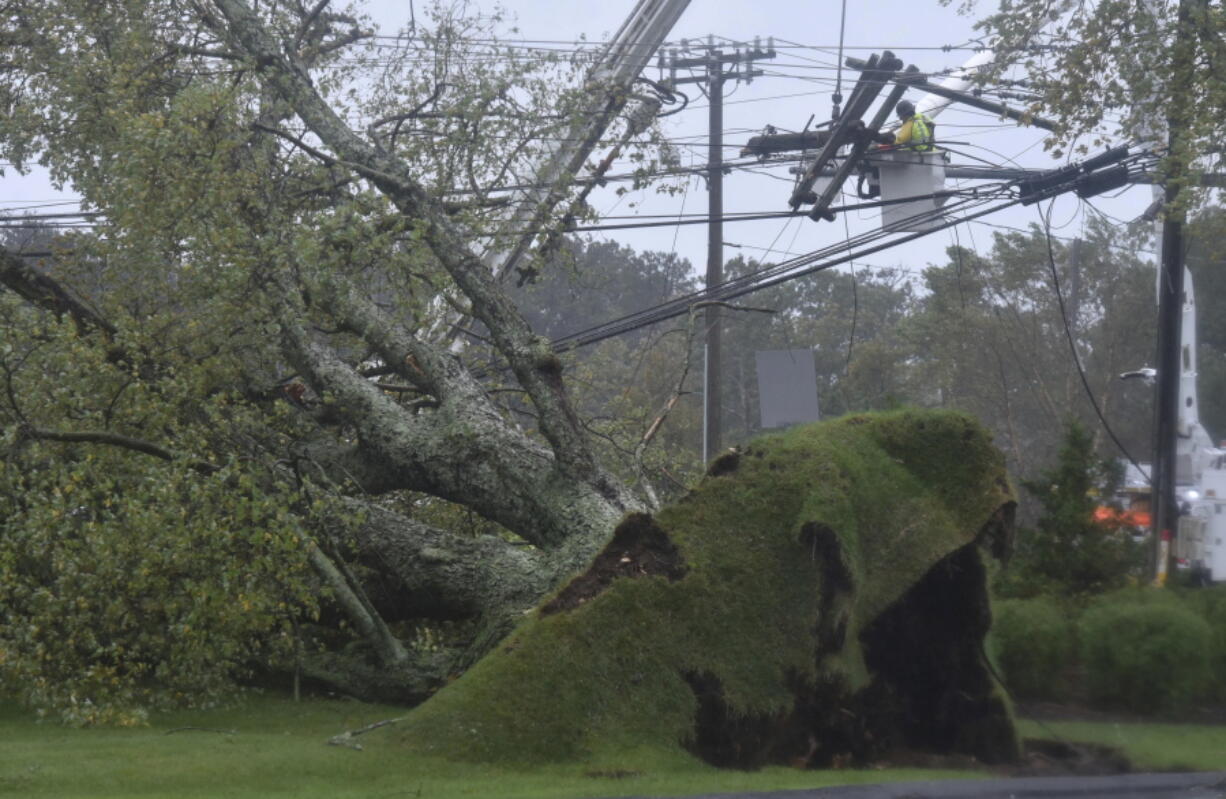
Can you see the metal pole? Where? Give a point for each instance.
(715, 252)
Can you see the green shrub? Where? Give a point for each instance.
(1140, 596)
(1210, 605)
(1033, 643)
(1068, 551)
(1143, 652)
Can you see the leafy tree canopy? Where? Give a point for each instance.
(1130, 67)
(261, 351)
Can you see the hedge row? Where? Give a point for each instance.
(1142, 650)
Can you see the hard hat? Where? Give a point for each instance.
(905, 108)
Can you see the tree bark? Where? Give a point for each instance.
(530, 357)
(444, 576)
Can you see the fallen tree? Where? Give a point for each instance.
(275, 299)
(236, 428)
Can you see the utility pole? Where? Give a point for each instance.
(1170, 296)
(718, 67)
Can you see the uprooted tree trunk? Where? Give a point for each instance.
(820, 596)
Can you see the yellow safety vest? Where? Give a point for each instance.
(921, 133)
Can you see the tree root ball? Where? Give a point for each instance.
(820, 598)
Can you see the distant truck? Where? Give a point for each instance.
(1200, 470)
(1200, 543)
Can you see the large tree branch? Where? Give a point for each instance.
(44, 291)
(357, 607)
(109, 439)
(345, 590)
(310, 19)
(462, 451)
(447, 576)
(429, 368)
(409, 682)
(530, 357)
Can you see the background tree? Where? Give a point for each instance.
(823, 313)
(991, 339)
(1069, 551)
(639, 393)
(1119, 67)
(1207, 261)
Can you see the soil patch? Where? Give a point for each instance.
(931, 688)
(926, 654)
(639, 549)
(1044, 758)
(727, 463)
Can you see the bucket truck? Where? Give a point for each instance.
(904, 178)
(1200, 467)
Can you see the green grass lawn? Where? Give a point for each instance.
(1151, 747)
(278, 749)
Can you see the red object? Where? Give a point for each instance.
(1127, 518)
(1166, 535)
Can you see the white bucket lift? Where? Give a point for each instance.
(908, 173)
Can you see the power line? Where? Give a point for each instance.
(780, 44)
(966, 209)
(826, 258)
(595, 47)
(1068, 334)
(1024, 232)
(38, 203)
(750, 217)
(40, 217)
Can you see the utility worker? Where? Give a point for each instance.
(916, 132)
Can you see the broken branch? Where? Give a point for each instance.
(346, 738)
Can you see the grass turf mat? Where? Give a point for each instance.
(819, 593)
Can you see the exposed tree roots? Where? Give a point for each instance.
(639, 548)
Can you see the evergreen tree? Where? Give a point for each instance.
(1069, 551)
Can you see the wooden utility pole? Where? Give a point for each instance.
(718, 67)
(1170, 295)
(713, 422)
